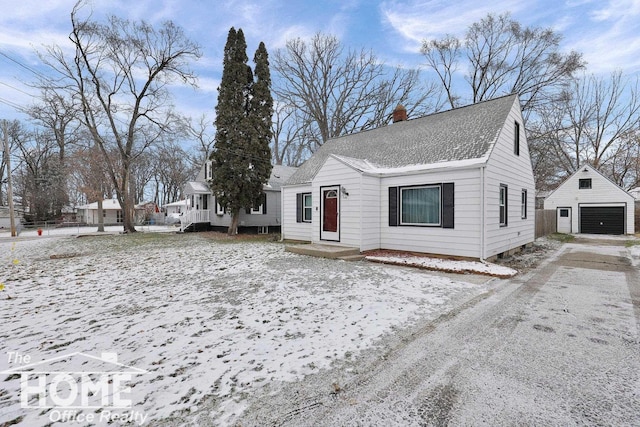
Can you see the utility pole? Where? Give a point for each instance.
(7, 157)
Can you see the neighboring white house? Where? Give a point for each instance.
(204, 212)
(588, 202)
(172, 211)
(111, 211)
(458, 183)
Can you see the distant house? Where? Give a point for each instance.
(588, 202)
(172, 211)
(5, 217)
(111, 212)
(457, 183)
(203, 211)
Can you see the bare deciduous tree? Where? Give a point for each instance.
(333, 91)
(502, 57)
(119, 76)
(595, 120)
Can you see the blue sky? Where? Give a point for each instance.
(606, 32)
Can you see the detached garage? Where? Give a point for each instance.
(588, 202)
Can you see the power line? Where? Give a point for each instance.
(15, 88)
(13, 105)
(26, 67)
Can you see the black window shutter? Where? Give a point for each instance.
(264, 203)
(393, 206)
(448, 210)
(247, 211)
(299, 207)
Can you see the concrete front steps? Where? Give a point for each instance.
(326, 251)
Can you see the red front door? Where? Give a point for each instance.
(330, 214)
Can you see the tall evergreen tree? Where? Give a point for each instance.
(261, 118)
(241, 159)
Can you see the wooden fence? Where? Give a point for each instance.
(545, 222)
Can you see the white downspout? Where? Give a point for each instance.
(482, 214)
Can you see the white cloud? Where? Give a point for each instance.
(419, 20)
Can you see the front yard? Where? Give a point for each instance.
(210, 321)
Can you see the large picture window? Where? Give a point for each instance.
(420, 205)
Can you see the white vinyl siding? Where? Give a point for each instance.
(602, 193)
(462, 240)
(513, 170)
(336, 173)
(291, 229)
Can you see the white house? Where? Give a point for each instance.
(204, 212)
(111, 212)
(457, 183)
(588, 202)
(173, 210)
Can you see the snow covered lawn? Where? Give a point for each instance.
(210, 321)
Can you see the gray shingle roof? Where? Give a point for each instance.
(459, 134)
(279, 175)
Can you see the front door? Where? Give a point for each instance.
(330, 209)
(564, 220)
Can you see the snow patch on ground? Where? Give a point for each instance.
(448, 265)
(210, 322)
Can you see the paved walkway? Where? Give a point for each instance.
(558, 346)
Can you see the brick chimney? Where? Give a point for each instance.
(399, 114)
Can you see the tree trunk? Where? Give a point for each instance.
(233, 227)
(100, 215)
(126, 202)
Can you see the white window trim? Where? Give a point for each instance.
(589, 180)
(523, 204)
(305, 207)
(503, 204)
(256, 211)
(423, 224)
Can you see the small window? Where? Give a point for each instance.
(332, 194)
(584, 184)
(516, 139)
(503, 205)
(118, 216)
(523, 205)
(256, 210)
(219, 209)
(307, 210)
(564, 213)
(420, 205)
(208, 171)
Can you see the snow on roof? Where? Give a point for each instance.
(460, 134)
(371, 169)
(178, 203)
(106, 204)
(196, 187)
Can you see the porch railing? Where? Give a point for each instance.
(193, 217)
